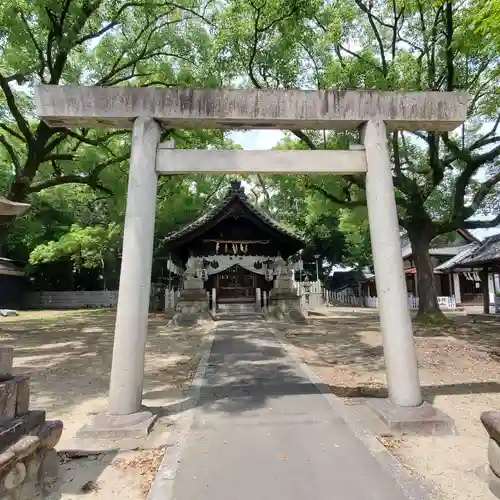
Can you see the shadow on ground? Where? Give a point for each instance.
(68, 360)
(79, 475)
(345, 348)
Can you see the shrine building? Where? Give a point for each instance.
(235, 252)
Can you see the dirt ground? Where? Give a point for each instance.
(459, 371)
(68, 357)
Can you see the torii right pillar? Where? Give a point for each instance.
(405, 410)
(395, 320)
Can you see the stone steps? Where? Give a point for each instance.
(238, 316)
(236, 307)
(237, 311)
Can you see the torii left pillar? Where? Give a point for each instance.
(124, 416)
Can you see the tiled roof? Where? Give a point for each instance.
(235, 192)
(459, 258)
(487, 252)
(450, 250)
(407, 250)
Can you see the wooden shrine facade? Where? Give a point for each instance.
(236, 245)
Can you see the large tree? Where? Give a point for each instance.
(441, 180)
(72, 234)
(91, 42)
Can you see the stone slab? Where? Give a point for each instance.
(12, 430)
(22, 396)
(74, 106)
(182, 161)
(8, 394)
(494, 456)
(422, 420)
(193, 285)
(104, 426)
(491, 421)
(193, 295)
(494, 483)
(6, 360)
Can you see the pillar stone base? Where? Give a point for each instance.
(285, 305)
(422, 420)
(105, 426)
(192, 307)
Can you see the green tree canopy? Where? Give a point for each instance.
(443, 180)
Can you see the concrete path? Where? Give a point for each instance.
(263, 431)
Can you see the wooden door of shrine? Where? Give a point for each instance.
(236, 283)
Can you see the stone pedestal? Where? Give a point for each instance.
(6, 359)
(28, 462)
(285, 305)
(491, 422)
(193, 305)
(422, 420)
(193, 284)
(105, 426)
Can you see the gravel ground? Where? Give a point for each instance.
(459, 366)
(68, 357)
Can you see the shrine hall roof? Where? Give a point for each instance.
(236, 193)
(487, 253)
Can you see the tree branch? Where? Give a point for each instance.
(217, 187)
(97, 34)
(91, 179)
(304, 138)
(59, 157)
(371, 17)
(12, 154)
(450, 67)
(12, 132)
(335, 199)
(483, 191)
(362, 59)
(16, 113)
(38, 49)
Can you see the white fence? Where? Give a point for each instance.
(72, 300)
(347, 298)
(311, 294)
(171, 299)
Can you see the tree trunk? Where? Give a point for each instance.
(427, 296)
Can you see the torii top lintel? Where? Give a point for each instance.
(74, 106)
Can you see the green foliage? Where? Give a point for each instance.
(110, 42)
(442, 180)
(485, 18)
(86, 246)
(76, 179)
(354, 226)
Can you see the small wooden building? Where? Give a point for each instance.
(13, 282)
(237, 244)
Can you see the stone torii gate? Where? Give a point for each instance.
(147, 110)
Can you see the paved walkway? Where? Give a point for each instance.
(262, 431)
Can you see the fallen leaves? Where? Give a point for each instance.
(146, 463)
